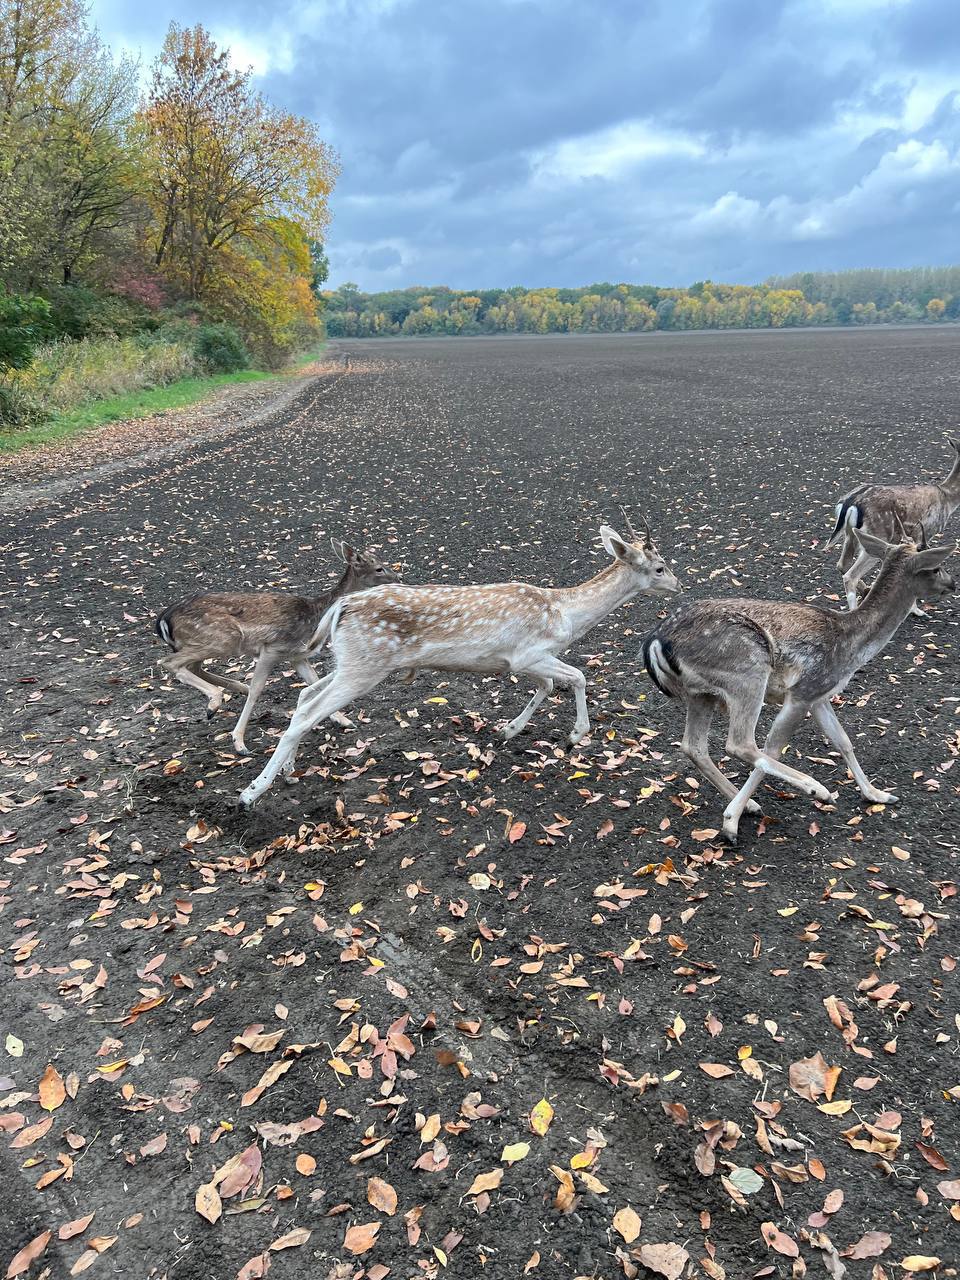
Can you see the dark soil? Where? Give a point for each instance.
(464, 928)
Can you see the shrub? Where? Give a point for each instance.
(24, 323)
(220, 348)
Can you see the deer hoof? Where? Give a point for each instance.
(882, 797)
(240, 747)
(731, 830)
(509, 731)
(245, 800)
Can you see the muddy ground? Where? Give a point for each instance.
(366, 986)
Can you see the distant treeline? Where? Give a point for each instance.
(811, 298)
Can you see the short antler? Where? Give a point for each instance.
(647, 539)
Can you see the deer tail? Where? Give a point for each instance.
(326, 628)
(164, 628)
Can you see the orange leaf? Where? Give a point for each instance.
(52, 1090)
(361, 1238)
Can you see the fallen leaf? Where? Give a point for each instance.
(298, 1236)
(715, 1070)
(870, 1245)
(23, 1260)
(779, 1240)
(207, 1202)
(811, 1077)
(53, 1092)
(362, 1238)
(627, 1222)
(486, 1182)
(667, 1260)
(541, 1116)
(515, 1151)
(920, 1262)
(382, 1196)
(74, 1228)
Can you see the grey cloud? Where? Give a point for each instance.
(492, 142)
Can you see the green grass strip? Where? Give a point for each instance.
(135, 404)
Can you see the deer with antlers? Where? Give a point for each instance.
(886, 511)
(500, 627)
(272, 628)
(739, 654)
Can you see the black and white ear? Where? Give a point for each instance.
(873, 545)
(337, 548)
(955, 442)
(931, 560)
(613, 544)
(349, 554)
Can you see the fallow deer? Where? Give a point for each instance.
(270, 627)
(886, 511)
(501, 627)
(739, 654)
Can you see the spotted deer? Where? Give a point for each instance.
(886, 511)
(269, 627)
(736, 655)
(500, 627)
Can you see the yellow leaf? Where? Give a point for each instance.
(582, 1160)
(52, 1090)
(593, 1184)
(541, 1116)
(442, 702)
(486, 1182)
(671, 1075)
(787, 911)
(356, 908)
(920, 1262)
(207, 1202)
(838, 1108)
(515, 1151)
(744, 1051)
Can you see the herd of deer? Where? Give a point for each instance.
(712, 654)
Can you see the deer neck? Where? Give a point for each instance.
(585, 605)
(884, 608)
(950, 487)
(342, 587)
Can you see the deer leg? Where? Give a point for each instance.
(695, 746)
(562, 673)
(851, 579)
(224, 682)
(309, 674)
(826, 721)
(261, 674)
(741, 742)
(187, 670)
(314, 704)
(544, 688)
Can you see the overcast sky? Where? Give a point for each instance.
(561, 142)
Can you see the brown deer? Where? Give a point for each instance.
(886, 511)
(506, 626)
(272, 628)
(739, 654)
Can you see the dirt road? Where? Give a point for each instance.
(432, 931)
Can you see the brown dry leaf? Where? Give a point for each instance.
(779, 1240)
(715, 1070)
(74, 1228)
(298, 1236)
(33, 1133)
(879, 1141)
(52, 1090)
(517, 831)
(382, 1196)
(920, 1262)
(532, 1261)
(627, 1222)
(486, 1182)
(207, 1202)
(269, 1077)
(932, 1156)
(431, 1127)
(565, 1198)
(360, 1239)
(238, 1172)
(667, 1260)
(811, 1077)
(870, 1245)
(305, 1164)
(833, 1201)
(950, 1190)
(23, 1260)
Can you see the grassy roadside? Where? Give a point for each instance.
(135, 404)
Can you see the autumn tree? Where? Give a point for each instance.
(65, 104)
(224, 165)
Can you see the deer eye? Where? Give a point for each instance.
(660, 570)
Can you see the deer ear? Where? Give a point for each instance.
(350, 554)
(873, 546)
(932, 559)
(613, 544)
(955, 442)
